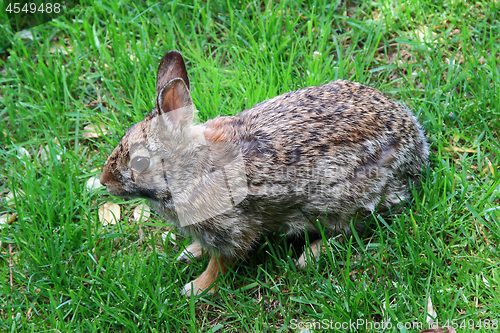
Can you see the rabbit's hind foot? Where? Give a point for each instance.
(311, 254)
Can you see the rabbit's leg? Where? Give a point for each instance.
(313, 252)
(207, 278)
(193, 251)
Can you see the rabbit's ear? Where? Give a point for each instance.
(171, 66)
(175, 102)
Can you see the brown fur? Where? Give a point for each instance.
(322, 154)
(208, 277)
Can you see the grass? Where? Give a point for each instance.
(97, 64)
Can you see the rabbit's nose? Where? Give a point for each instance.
(106, 176)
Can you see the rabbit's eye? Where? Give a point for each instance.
(139, 163)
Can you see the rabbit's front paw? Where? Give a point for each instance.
(191, 253)
(207, 278)
(196, 287)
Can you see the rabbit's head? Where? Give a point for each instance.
(162, 147)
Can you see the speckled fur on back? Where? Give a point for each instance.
(326, 153)
(329, 151)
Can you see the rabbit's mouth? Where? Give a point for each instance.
(119, 192)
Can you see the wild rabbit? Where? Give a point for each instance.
(326, 154)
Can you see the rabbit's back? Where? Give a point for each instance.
(341, 148)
